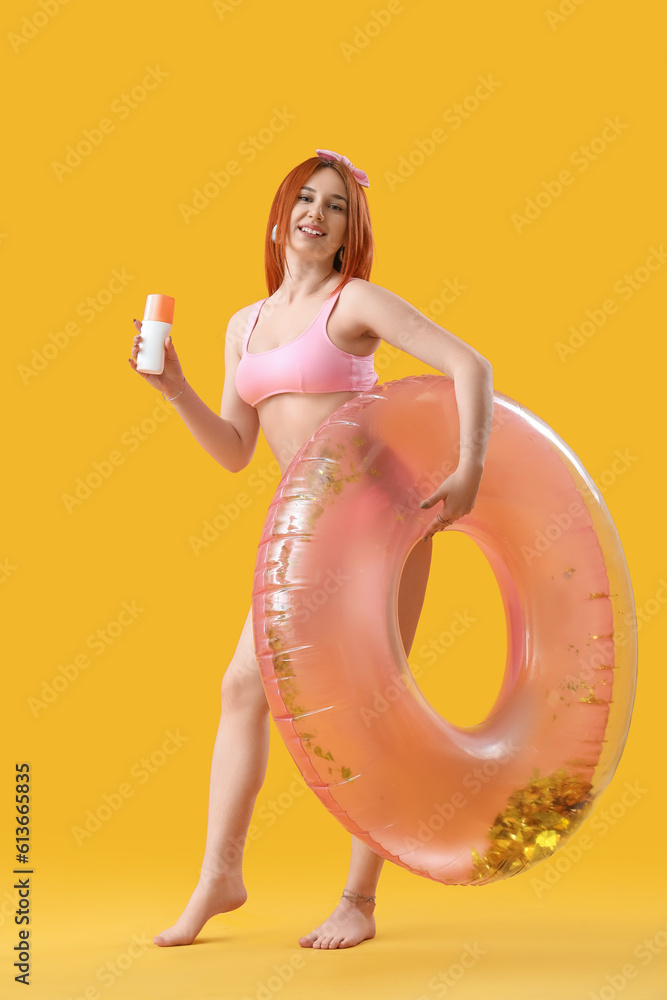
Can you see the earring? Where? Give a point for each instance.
(273, 232)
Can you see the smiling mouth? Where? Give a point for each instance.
(311, 232)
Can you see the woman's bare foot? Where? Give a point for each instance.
(350, 923)
(215, 893)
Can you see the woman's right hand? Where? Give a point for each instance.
(172, 378)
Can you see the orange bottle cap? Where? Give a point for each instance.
(160, 308)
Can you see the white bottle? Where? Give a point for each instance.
(155, 328)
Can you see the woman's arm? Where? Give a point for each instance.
(229, 438)
(473, 388)
(216, 435)
(389, 317)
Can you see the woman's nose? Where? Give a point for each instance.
(315, 210)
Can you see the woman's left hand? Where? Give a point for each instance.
(458, 491)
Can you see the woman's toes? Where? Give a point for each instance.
(161, 939)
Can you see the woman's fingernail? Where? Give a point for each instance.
(424, 504)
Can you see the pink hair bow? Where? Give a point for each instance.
(326, 154)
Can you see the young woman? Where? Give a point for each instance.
(291, 360)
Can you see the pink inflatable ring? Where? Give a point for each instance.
(337, 534)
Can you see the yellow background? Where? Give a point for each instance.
(223, 71)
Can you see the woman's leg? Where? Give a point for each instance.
(238, 768)
(352, 921)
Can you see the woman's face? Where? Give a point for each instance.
(321, 205)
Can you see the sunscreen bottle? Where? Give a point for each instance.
(155, 328)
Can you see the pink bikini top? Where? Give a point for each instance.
(310, 362)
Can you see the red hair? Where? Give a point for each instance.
(358, 253)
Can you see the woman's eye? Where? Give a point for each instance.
(304, 197)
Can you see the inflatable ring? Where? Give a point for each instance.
(337, 534)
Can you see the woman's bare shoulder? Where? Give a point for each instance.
(362, 290)
(239, 320)
(236, 327)
(241, 315)
(361, 298)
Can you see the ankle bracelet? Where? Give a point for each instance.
(369, 899)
